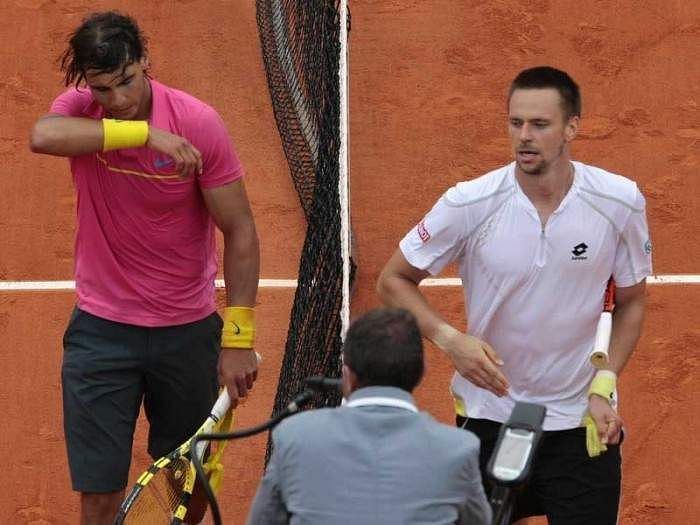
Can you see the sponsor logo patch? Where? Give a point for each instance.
(579, 251)
(647, 247)
(161, 162)
(423, 232)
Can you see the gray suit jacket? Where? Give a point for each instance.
(371, 465)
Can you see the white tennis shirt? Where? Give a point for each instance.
(535, 294)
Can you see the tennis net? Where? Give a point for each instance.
(304, 50)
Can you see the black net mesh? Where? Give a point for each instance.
(301, 50)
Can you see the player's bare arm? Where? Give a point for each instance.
(231, 212)
(73, 136)
(474, 359)
(66, 136)
(628, 318)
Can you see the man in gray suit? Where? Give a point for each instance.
(376, 459)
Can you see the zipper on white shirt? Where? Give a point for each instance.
(541, 258)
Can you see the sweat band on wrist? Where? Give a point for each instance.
(239, 327)
(604, 384)
(119, 134)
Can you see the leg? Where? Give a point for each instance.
(99, 509)
(101, 397)
(181, 388)
(198, 505)
(576, 489)
(525, 501)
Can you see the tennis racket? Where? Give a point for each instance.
(599, 354)
(162, 493)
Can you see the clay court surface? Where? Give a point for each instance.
(428, 81)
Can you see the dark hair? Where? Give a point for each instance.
(384, 348)
(104, 41)
(543, 77)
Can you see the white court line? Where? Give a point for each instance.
(676, 278)
(33, 286)
(16, 286)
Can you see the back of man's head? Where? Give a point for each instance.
(384, 348)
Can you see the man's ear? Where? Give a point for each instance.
(571, 128)
(349, 381)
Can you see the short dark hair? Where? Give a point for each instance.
(384, 348)
(543, 77)
(104, 41)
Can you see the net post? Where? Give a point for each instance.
(343, 189)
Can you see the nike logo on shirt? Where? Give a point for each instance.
(162, 163)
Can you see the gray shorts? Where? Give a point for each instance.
(109, 368)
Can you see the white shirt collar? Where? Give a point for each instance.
(383, 402)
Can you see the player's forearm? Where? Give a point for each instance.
(67, 136)
(400, 292)
(628, 319)
(241, 265)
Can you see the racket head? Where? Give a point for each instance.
(161, 494)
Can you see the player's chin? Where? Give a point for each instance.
(530, 168)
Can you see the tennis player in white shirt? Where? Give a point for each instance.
(536, 242)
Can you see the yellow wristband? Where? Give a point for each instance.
(119, 134)
(239, 327)
(604, 384)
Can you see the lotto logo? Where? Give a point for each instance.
(423, 232)
(579, 251)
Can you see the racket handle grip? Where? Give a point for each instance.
(599, 354)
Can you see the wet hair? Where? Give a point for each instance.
(543, 77)
(384, 348)
(105, 41)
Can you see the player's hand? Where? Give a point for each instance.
(238, 370)
(187, 158)
(607, 421)
(477, 362)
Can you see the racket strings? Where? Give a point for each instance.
(161, 496)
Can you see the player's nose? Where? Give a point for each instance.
(525, 133)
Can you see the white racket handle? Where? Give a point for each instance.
(218, 412)
(223, 403)
(599, 354)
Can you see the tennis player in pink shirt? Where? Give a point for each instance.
(155, 174)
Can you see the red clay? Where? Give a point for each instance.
(428, 80)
